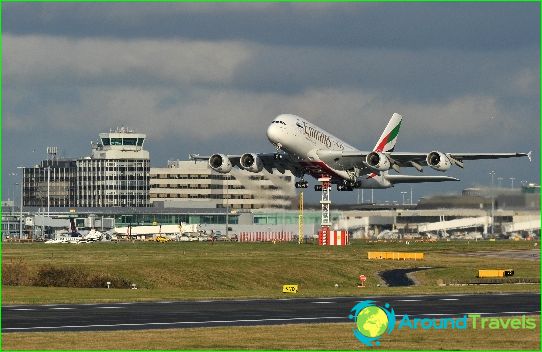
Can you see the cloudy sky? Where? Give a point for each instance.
(205, 78)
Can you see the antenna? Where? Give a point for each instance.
(52, 153)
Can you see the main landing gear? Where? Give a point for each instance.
(348, 186)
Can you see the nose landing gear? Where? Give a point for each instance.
(301, 184)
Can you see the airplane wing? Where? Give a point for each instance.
(405, 157)
(417, 160)
(269, 161)
(394, 179)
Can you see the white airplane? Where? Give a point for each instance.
(304, 148)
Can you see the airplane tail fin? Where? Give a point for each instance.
(388, 139)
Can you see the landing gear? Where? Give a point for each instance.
(344, 188)
(301, 184)
(348, 186)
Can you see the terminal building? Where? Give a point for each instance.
(116, 174)
(190, 184)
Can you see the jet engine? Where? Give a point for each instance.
(251, 162)
(438, 161)
(378, 161)
(220, 163)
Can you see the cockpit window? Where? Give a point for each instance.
(281, 122)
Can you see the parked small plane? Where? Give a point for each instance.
(304, 148)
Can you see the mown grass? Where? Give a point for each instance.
(293, 337)
(225, 270)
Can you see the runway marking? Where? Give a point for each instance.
(112, 307)
(165, 302)
(23, 309)
(172, 323)
(126, 303)
(324, 302)
(408, 300)
(515, 312)
(61, 308)
(449, 299)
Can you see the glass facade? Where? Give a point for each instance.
(51, 183)
(113, 183)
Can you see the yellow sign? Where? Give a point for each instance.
(289, 288)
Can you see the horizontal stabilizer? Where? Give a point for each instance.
(418, 179)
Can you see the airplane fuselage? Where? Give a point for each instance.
(304, 140)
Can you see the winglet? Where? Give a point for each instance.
(529, 155)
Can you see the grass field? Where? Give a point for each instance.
(298, 336)
(225, 270)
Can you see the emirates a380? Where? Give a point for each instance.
(305, 149)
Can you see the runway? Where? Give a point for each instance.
(204, 313)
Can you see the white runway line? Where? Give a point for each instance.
(326, 302)
(112, 307)
(449, 299)
(61, 308)
(408, 300)
(172, 323)
(23, 309)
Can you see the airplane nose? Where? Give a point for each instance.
(272, 133)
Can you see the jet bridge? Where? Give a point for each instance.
(457, 224)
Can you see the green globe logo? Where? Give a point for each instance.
(372, 321)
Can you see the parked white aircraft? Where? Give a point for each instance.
(304, 148)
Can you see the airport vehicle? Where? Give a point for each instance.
(161, 239)
(304, 148)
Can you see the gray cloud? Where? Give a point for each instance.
(209, 77)
(470, 26)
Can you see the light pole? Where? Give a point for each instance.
(227, 205)
(492, 173)
(403, 194)
(48, 183)
(13, 189)
(512, 179)
(21, 205)
(499, 179)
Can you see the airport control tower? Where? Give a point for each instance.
(117, 172)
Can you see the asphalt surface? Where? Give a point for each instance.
(204, 313)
